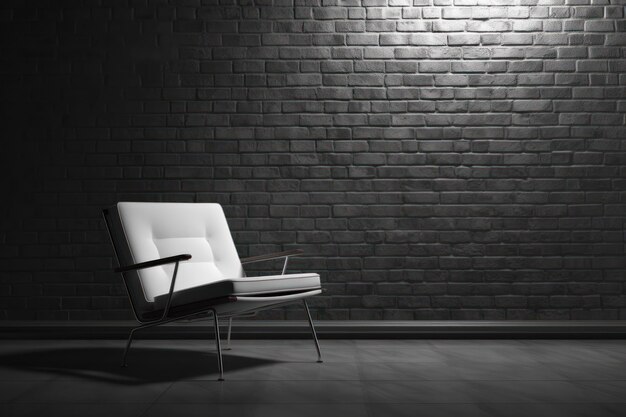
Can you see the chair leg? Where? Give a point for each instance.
(230, 326)
(128, 343)
(317, 344)
(219, 347)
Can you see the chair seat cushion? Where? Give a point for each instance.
(248, 286)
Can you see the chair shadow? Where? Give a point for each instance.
(145, 364)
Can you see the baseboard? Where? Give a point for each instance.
(247, 329)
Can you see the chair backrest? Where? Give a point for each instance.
(142, 232)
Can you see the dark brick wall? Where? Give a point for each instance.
(436, 159)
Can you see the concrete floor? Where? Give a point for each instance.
(430, 378)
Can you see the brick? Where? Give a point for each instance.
(399, 53)
(517, 39)
(457, 13)
(413, 26)
(463, 39)
(488, 26)
(316, 27)
(451, 80)
(336, 66)
(383, 13)
(477, 66)
(401, 67)
(617, 39)
(532, 105)
(361, 39)
(330, 13)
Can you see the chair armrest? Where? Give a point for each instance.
(270, 256)
(155, 262)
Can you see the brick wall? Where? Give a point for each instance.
(436, 159)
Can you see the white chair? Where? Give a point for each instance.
(178, 260)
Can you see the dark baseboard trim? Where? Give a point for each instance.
(243, 329)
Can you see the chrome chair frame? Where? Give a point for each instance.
(166, 318)
(295, 252)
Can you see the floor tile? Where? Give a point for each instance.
(9, 391)
(73, 410)
(568, 351)
(91, 392)
(426, 392)
(258, 410)
(552, 410)
(535, 392)
(417, 392)
(295, 371)
(582, 371)
(303, 354)
(617, 389)
(483, 351)
(426, 410)
(379, 354)
(264, 392)
(447, 371)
